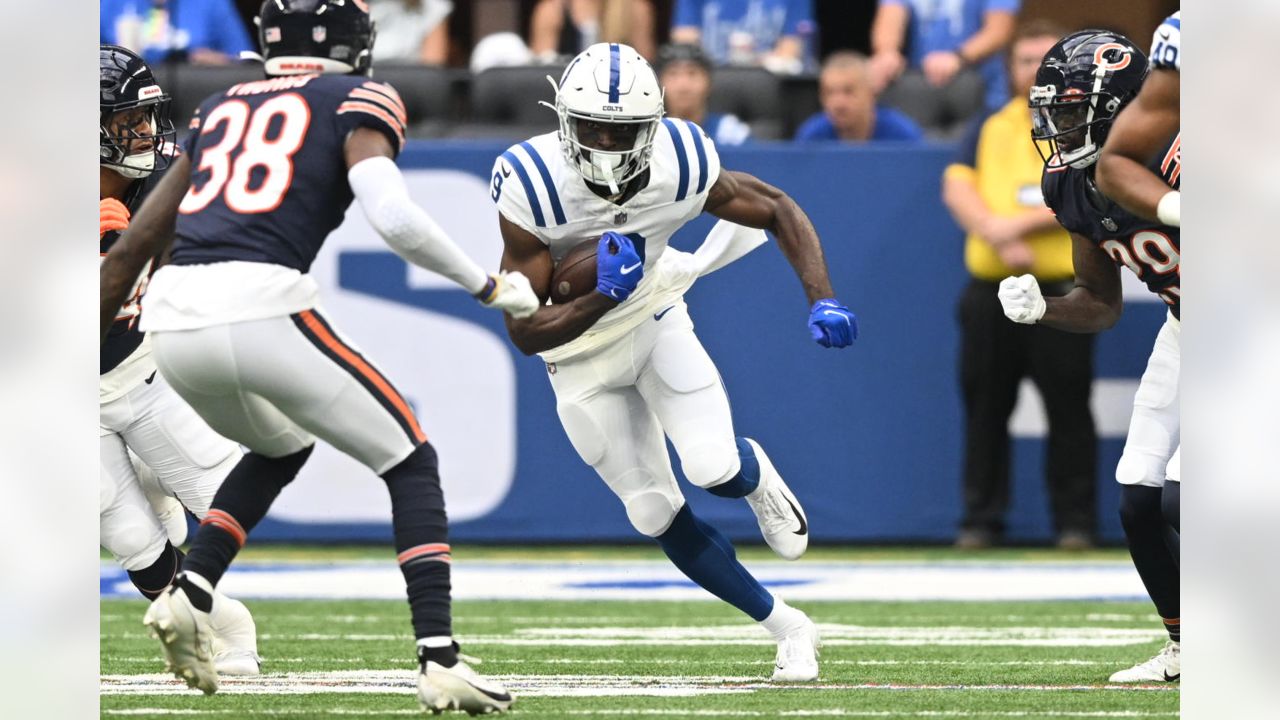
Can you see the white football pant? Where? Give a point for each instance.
(274, 385)
(1152, 450)
(188, 459)
(616, 403)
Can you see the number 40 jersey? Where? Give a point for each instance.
(268, 172)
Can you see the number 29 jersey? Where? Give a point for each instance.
(1148, 248)
(268, 172)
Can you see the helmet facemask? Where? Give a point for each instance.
(1070, 128)
(633, 138)
(132, 138)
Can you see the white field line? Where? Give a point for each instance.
(271, 660)
(659, 712)
(750, 634)
(567, 685)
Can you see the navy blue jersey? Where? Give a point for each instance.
(268, 176)
(124, 337)
(1147, 247)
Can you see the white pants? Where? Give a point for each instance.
(274, 385)
(1152, 452)
(615, 405)
(188, 459)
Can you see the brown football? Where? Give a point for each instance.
(575, 274)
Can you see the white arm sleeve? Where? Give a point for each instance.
(408, 229)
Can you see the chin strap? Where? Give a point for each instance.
(602, 164)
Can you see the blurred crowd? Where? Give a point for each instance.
(901, 70)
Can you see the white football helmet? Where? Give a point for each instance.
(608, 83)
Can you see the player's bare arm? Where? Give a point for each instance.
(1140, 132)
(552, 325)
(148, 235)
(747, 200)
(1093, 305)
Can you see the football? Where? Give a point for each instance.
(575, 274)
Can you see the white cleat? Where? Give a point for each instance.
(797, 659)
(460, 688)
(1166, 666)
(782, 520)
(184, 633)
(235, 638)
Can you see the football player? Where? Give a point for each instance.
(267, 173)
(623, 360)
(1143, 129)
(1082, 84)
(140, 416)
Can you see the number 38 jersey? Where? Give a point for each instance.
(1148, 248)
(268, 175)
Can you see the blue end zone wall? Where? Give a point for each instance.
(868, 437)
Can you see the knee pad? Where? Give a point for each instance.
(651, 512)
(711, 463)
(1136, 469)
(134, 540)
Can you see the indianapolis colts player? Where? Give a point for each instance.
(152, 445)
(1083, 82)
(1141, 129)
(268, 172)
(623, 360)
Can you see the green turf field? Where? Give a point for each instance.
(342, 658)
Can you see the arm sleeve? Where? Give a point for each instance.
(407, 228)
(375, 105)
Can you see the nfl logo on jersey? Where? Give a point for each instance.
(319, 33)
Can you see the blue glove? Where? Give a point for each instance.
(832, 324)
(618, 266)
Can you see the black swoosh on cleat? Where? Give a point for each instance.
(1171, 679)
(804, 527)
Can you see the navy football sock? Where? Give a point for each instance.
(1146, 532)
(154, 578)
(241, 502)
(422, 540)
(707, 558)
(747, 479)
(1171, 504)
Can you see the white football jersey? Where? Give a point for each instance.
(1166, 44)
(535, 188)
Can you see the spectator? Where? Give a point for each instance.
(772, 33)
(849, 109)
(411, 30)
(684, 71)
(993, 192)
(205, 32)
(939, 40)
(564, 28)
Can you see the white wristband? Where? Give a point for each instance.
(1169, 210)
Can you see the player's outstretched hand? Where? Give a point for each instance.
(112, 215)
(1021, 299)
(511, 293)
(618, 266)
(832, 324)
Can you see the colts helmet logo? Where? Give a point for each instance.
(1110, 57)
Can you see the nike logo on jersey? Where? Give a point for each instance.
(628, 269)
(151, 377)
(506, 171)
(1164, 35)
(658, 315)
(804, 526)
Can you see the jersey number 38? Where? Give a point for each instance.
(244, 146)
